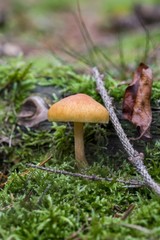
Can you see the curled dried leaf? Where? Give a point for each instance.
(136, 101)
(34, 111)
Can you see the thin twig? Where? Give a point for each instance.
(11, 136)
(148, 38)
(75, 234)
(128, 212)
(137, 227)
(131, 183)
(94, 50)
(95, 54)
(121, 53)
(39, 164)
(135, 157)
(43, 194)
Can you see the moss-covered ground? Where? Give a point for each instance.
(43, 205)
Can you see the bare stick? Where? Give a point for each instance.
(135, 157)
(43, 194)
(131, 183)
(128, 212)
(137, 227)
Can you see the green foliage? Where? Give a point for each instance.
(48, 206)
(16, 81)
(65, 76)
(54, 5)
(115, 90)
(15, 73)
(41, 205)
(42, 6)
(122, 7)
(156, 91)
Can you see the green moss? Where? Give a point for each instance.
(42, 204)
(48, 206)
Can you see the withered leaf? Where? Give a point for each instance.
(136, 102)
(33, 112)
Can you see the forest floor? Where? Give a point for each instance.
(48, 51)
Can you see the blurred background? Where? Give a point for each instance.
(43, 27)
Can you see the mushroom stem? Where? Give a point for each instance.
(79, 145)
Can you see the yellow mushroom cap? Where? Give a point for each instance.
(78, 108)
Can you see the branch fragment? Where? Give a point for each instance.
(130, 184)
(134, 156)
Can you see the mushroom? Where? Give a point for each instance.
(78, 108)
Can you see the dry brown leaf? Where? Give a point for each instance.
(136, 101)
(33, 112)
